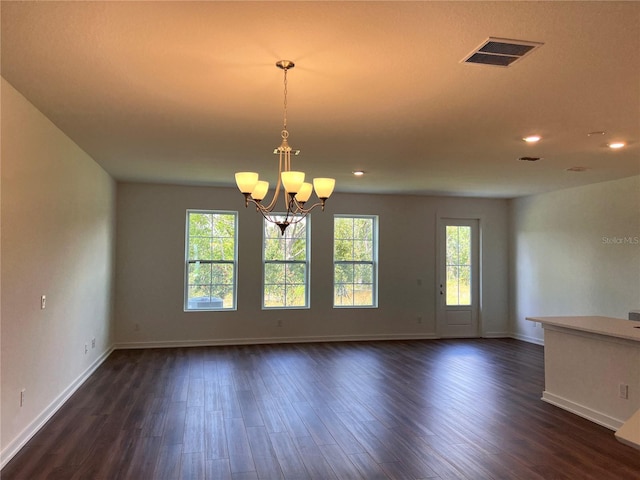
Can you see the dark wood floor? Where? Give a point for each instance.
(454, 409)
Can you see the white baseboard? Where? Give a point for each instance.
(527, 338)
(496, 335)
(582, 411)
(20, 441)
(268, 340)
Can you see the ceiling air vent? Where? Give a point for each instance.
(501, 52)
(529, 159)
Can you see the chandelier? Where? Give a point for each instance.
(296, 191)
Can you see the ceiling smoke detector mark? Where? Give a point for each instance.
(501, 52)
(577, 169)
(529, 159)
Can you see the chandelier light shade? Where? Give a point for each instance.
(297, 192)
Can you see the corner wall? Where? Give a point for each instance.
(150, 270)
(575, 252)
(57, 239)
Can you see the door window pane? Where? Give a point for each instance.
(458, 257)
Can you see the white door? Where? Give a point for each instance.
(457, 277)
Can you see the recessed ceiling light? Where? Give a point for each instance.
(616, 145)
(358, 173)
(532, 138)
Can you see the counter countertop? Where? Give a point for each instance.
(612, 327)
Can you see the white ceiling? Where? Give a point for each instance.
(188, 93)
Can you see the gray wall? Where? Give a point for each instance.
(575, 252)
(150, 270)
(58, 237)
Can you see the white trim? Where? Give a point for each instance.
(14, 446)
(268, 340)
(582, 411)
(496, 335)
(528, 338)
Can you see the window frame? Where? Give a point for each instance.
(373, 262)
(188, 261)
(306, 263)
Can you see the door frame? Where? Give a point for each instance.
(440, 275)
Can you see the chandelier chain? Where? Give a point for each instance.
(285, 99)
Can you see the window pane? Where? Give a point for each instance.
(296, 249)
(343, 294)
(362, 250)
(200, 224)
(458, 257)
(222, 273)
(274, 274)
(271, 230)
(464, 285)
(296, 274)
(343, 227)
(363, 295)
(354, 255)
(211, 238)
(343, 273)
(452, 286)
(222, 293)
(296, 296)
(200, 248)
(286, 266)
(273, 249)
(274, 296)
(199, 274)
(362, 228)
(223, 225)
(342, 250)
(363, 273)
(228, 248)
(452, 245)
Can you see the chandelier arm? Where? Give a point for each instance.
(276, 194)
(304, 211)
(263, 211)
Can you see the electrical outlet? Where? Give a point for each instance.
(43, 302)
(22, 397)
(623, 391)
(93, 343)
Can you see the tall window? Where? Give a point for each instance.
(211, 260)
(355, 255)
(286, 265)
(458, 265)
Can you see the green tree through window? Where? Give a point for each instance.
(355, 252)
(286, 265)
(458, 265)
(211, 260)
